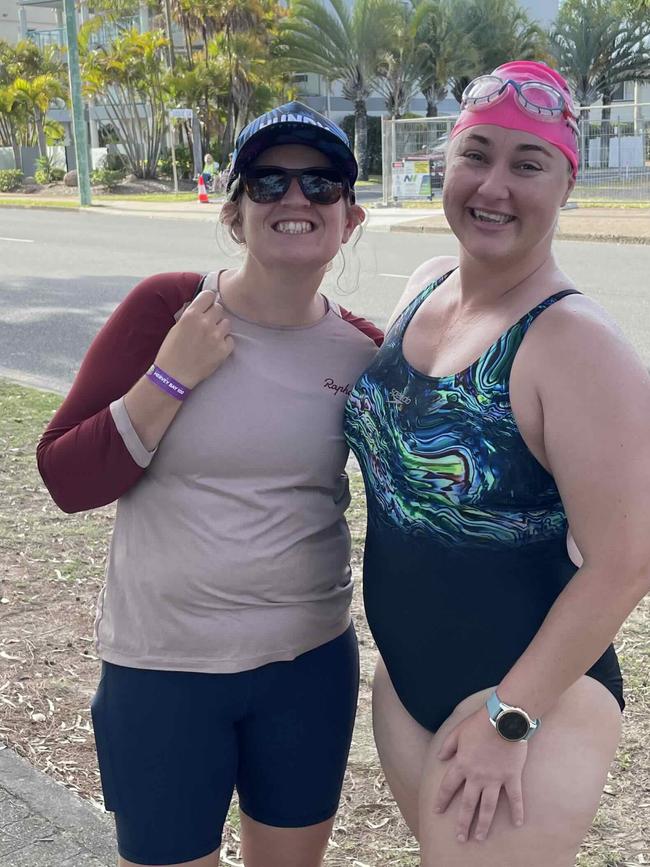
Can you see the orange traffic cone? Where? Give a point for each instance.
(203, 196)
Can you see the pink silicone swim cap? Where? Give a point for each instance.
(509, 114)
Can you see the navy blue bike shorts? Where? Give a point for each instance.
(172, 747)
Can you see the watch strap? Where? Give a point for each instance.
(495, 706)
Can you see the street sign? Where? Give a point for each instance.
(184, 113)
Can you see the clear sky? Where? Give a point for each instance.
(543, 11)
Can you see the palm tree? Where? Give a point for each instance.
(344, 44)
(237, 62)
(444, 49)
(30, 80)
(399, 68)
(10, 122)
(597, 50)
(499, 31)
(130, 77)
(36, 95)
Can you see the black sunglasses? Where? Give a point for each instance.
(322, 186)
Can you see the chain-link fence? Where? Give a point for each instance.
(614, 157)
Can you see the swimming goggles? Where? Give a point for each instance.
(541, 101)
(266, 184)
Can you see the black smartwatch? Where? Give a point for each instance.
(512, 723)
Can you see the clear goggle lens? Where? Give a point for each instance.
(539, 100)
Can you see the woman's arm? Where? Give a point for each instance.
(102, 438)
(595, 398)
(594, 395)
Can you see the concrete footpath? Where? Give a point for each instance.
(623, 225)
(579, 223)
(42, 824)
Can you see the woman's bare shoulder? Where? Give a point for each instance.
(424, 274)
(578, 339)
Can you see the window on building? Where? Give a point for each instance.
(624, 92)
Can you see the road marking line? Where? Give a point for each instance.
(400, 276)
(18, 240)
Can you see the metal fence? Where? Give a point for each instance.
(614, 156)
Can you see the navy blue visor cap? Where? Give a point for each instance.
(294, 123)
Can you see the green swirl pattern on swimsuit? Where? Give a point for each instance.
(442, 457)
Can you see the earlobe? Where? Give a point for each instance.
(570, 188)
(355, 217)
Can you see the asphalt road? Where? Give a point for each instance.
(62, 273)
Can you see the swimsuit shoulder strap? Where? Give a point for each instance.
(528, 318)
(399, 326)
(496, 363)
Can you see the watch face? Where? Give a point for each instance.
(512, 726)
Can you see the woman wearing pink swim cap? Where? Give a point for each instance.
(502, 433)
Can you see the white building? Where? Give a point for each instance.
(17, 20)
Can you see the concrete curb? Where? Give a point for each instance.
(560, 236)
(11, 207)
(43, 824)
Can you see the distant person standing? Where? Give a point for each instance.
(210, 166)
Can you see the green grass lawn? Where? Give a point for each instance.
(37, 203)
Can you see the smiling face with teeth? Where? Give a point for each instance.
(294, 233)
(502, 192)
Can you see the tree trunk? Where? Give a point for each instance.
(361, 137)
(605, 130)
(430, 96)
(42, 144)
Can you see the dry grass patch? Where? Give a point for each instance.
(51, 569)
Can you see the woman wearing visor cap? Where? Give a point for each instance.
(211, 408)
(502, 430)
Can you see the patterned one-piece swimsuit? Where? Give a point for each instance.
(466, 544)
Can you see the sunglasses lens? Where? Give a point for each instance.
(322, 188)
(266, 186)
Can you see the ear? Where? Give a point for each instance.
(569, 189)
(354, 217)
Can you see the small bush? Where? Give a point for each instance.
(184, 163)
(46, 172)
(10, 180)
(114, 162)
(107, 178)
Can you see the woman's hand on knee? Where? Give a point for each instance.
(481, 764)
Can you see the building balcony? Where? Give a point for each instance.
(45, 38)
(108, 33)
(102, 37)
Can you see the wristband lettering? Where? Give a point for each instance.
(167, 383)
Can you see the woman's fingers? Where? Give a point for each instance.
(468, 804)
(489, 801)
(450, 784)
(204, 301)
(199, 342)
(219, 312)
(449, 745)
(516, 800)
